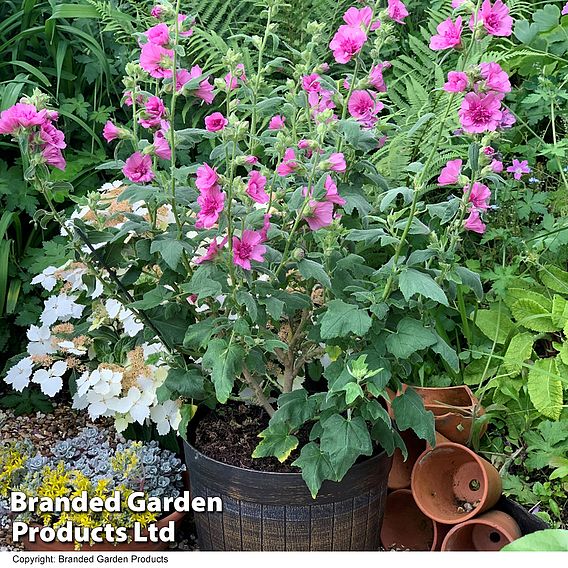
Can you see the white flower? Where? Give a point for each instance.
(50, 380)
(60, 308)
(18, 376)
(69, 347)
(167, 416)
(40, 340)
(115, 310)
(111, 185)
(46, 278)
(106, 386)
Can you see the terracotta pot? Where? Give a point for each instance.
(452, 484)
(405, 526)
(455, 410)
(401, 471)
(41, 546)
(489, 532)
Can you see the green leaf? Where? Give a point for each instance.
(353, 391)
(447, 353)
(410, 336)
(188, 383)
(471, 280)
(198, 334)
(548, 540)
(519, 350)
(225, 363)
(545, 388)
(413, 282)
(294, 408)
(246, 298)
(344, 440)
(494, 324)
(532, 315)
(203, 284)
(276, 441)
(311, 269)
(187, 412)
(169, 249)
(555, 278)
(315, 465)
(559, 313)
(341, 319)
(153, 298)
(409, 412)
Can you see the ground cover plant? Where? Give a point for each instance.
(305, 222)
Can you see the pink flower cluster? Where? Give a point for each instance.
(211, 198)
(319, 99)
(350, 38)
(43, 137)
(320, 213)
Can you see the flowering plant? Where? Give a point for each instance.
(263, 257)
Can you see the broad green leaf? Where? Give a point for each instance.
(559, 314)
(519, 350)
(276, 441)
(388, 438)
(341, 319)
(410, 336)
(315, 466)
(246, 298)
(311, 269)
(188, 383)
(203, 284)
(187, 412)
(545, 389)
(447, 353)
(294, 408)
(413, 282)
(353, 391)
(344, 440)
(198, 334)
(514, 294)
(169, 249)
(471, 279)
(548, 540)
(494, 324)
(153, 298)
(409, 412)
(224, 360)
(563, 354)
(532, 315)
(555, 278)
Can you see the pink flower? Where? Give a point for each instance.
(361, 18)
(496, 166)
(128, 98)
(448, 36)
(251, 160)
(364, 107)
(565, 9)
(153, 112)
(212, 251)
(232, 82)
(489, 151)
(184, 33)
(457, 3)
(248, 248)
(53, 157)
(20, 115)
(265, 228)
(508, 119)
(212, 203)
(156, 60)
(331, 193)
(215, 122)
(161, 146)
(474, 222)
(311, 84)
(255, 187)
(320, 214)
(110, 131)
(450, 173)
(336, 162)
(495, 18)
(204, 91)
(288, 164)
(138, 168)
(457, 82)
(480, 112)
(157, 12)
(397, 11)
(158, 34)
(52, 136)
(376, 79)
(495, 78)
(519, 168)
(276, 122)
(207, 178)
(320, 102)
(479, 195)
(347, 42)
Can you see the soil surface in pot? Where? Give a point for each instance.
(230, 435)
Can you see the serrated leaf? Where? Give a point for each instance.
(341, 318)
(276, 441)
(315, 465)
(410, 336)
(559, 313)
(545, 388)
(494, 324)
(409, 412)
(532, 315)
(563, 354)
(555, 278)
(294, 408)
(169, 249)
(353, 391)
(188, 383)
(311, 269)
(203, 285)
(413, 282)
(344, 440)
(519, 350)
(224, 360)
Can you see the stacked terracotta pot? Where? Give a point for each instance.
(442, 498)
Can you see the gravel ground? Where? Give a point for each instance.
(46, 429)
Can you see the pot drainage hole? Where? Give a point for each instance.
(494, 536)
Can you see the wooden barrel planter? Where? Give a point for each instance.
(275, 511)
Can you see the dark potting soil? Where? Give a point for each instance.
(230, 435)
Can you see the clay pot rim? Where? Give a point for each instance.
(478, 521)
(473, 512)
(407, 491)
